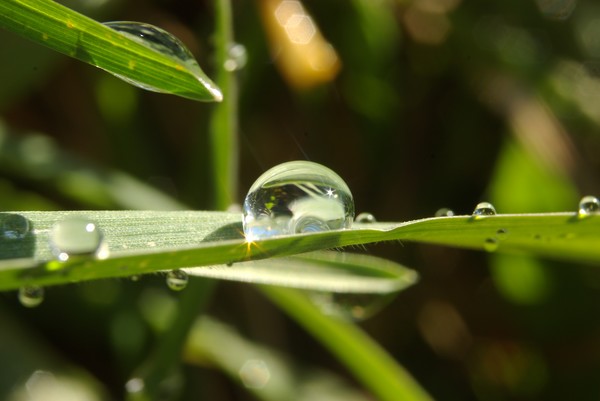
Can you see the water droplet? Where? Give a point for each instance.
(365, 218)
(349, 306)
(237, 57)
(297, 197)
(444, 212)
(490, 244)
(77, 236)
(484, 209)
(135, 385)
(177, 279)
(588, 205)
(165, 43)
(14, 226)
(502, 233)
(255, 373)
(31, 296)
(135, 278)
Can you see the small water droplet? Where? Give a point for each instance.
(135, 278)
(255, 373)
(237, 57)
(297, 197)
(165, 43)
(444, 212)
(31, 296)
(588, 205)
(177, 279)
(135, 385)
(365, 218)
(484, 209)
(490, 244)
(349, 306)
(77, 236)
(14, 226)
(502, 233)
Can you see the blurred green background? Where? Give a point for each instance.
(430, 104)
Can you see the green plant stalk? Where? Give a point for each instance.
(223, 131)
(66, 31)
(223, 124)
(371, 364)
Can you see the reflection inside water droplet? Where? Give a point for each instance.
(484, 209)
(349, 306)
(77, 236)
(177, 279)
(14, 226)
(162, 42)
(237, 57)
(31, 296)
(365, 218)
(297, 197)
(444, 212)
(588, 205)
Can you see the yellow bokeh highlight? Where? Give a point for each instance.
(302, 55)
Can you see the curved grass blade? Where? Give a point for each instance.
(66, 31)
(372, 365)
(319, 271)
(145, 241)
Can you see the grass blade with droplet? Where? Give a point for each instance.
(66, 31)
(145, 241)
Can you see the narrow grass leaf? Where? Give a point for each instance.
(66, 31)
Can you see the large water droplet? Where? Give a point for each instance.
(444, 212)
(77, 236)
(165, 43)
(297, 197)
(177, 279)
(14, 226)
(350, 306)
(484, 209)
(588, 205)
(237, 57)
(31, 296)
(365, 218)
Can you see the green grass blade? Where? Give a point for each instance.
(146, 241)
(319, 271)
(372, 365)
(66, 31)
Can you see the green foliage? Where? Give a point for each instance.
(66, 31)
(439, 103)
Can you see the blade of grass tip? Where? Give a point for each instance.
(224, 149)
(66, 31)
(372, 365)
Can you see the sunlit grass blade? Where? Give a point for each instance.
(145, 241)
(66, 31)
(374, 367)
(319, 271)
